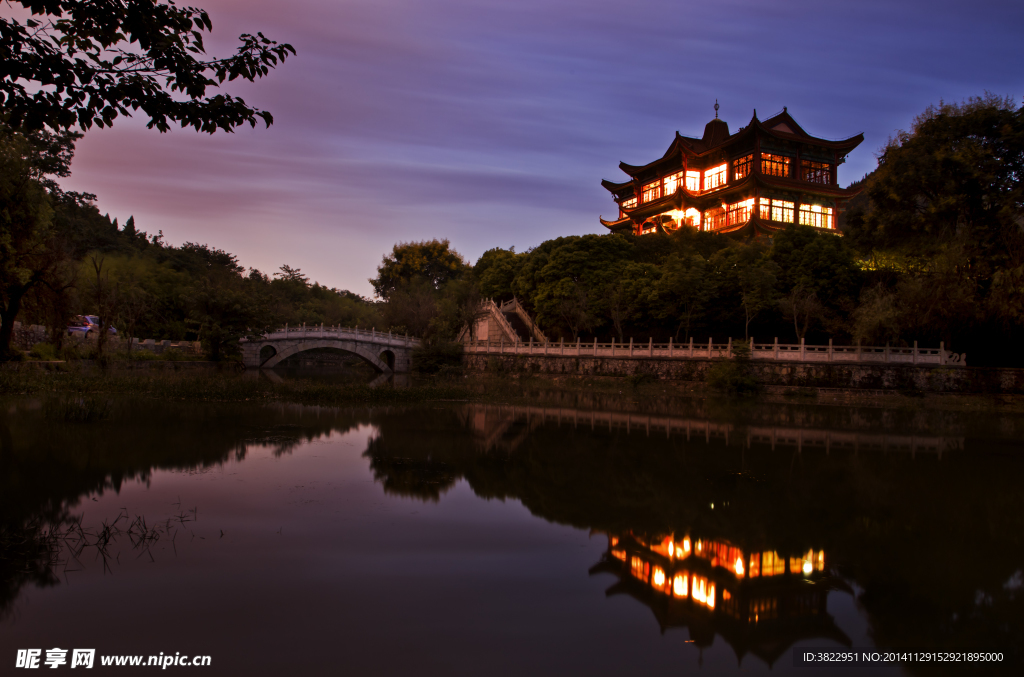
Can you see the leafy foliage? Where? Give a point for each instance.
(86, 62)
(433, 261)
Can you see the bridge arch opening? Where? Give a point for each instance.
(267, 352)
(322, 353)
(388, 358)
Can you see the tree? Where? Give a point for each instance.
(31, 251)
(86, 62)
(953, 179)
(495, 270)
(802, 306)
(224, 310)
(754, 274)
(628, 296)
(457, 308)
(565, 279)
(818, 276)
(432, 261)
(683, 291)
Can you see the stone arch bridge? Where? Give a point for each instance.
(386, 353)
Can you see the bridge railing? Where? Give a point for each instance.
(782, 352)
(337, 332)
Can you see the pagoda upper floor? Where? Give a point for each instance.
(765, 174)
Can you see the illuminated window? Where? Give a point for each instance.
(693, 182)
(680, 586)
(772, 564)
(741, 167)
(739, 212)
(714, 219)
(703, 591)
(659, 581)
(691, 217)
(651, 191)
(715, 177)
(619, 554)
(626, 204)
(776, 210)
(817, 172)
(774, 165)
(816, 216)
(672, 182)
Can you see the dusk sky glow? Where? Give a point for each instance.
(493, 123)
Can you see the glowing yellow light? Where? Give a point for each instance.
(739, 566)
(699, 591)
(808, 567)
(691, 217)
(671, 549)
(693, 182)
(821, 560)
(615, 541)
(711, 597)
(699, 545)
(715, 177)
(686, 544)
(659, 577)
(680, 586)
(672, 182)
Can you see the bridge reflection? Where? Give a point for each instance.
(759, 602)
(498, 427)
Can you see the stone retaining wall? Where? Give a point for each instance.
(788, 374)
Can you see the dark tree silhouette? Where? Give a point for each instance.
(86, 62)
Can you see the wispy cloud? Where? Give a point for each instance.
(493, 123)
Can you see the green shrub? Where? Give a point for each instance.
(734, 376)
(429, 358)
(174, 355)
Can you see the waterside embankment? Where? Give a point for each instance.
(924, 378)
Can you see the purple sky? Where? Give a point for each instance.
(493, 123)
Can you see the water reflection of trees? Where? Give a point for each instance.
(920, 511)
(47, 467)
(929, 526)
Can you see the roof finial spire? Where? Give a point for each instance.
(716, 109)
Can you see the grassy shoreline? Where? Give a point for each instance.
(217, 387)
(603, 391)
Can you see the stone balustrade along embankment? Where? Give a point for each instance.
(778, 352)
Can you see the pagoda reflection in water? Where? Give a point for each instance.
(759, 602)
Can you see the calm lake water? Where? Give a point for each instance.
(573, 536)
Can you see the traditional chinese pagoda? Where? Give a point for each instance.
(757, 181)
